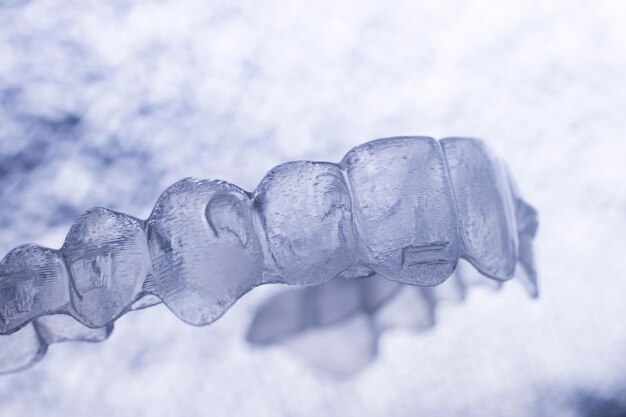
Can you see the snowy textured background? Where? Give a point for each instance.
(107, 103)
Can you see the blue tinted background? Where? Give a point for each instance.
(108, 103)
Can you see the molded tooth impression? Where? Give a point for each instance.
(486, 213)
(205, 252)
(32, 282)
(404, 209)
(107, 257)
(386, 211)
(305, 208)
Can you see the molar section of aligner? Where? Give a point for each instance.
(404, 209)
(305, 209)
(485, 207)
(205, 252)
(33, 281)
(59, 328)
(107, 258)
(21, 349)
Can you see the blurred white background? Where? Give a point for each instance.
(108, 103)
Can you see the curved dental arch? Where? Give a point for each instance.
(405, 209)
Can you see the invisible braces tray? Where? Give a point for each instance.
(395, 212)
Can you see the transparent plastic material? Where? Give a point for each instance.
(391, 219)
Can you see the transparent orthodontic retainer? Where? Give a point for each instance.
(399, 225)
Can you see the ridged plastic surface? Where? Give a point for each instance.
(402, 209)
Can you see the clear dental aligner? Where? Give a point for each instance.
(404, 208)
(336, 326)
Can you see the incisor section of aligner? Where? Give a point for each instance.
(305, 209)
(485, 207)
(107, 259)
(404, 209)
(205, 252)
(33, 282)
